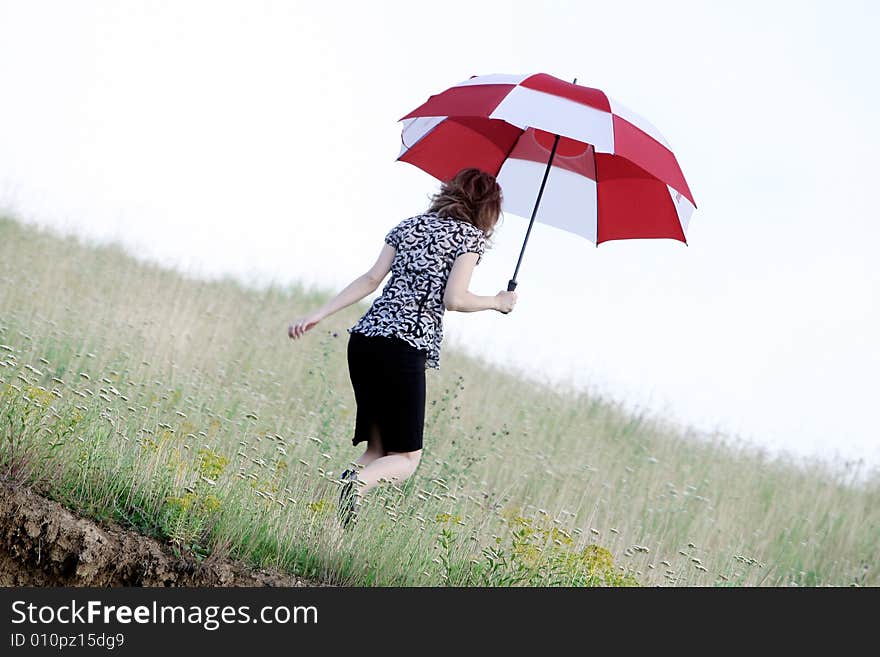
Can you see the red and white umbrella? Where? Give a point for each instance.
(596, 168)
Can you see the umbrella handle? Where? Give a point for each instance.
(511, 286)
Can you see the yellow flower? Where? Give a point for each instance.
(212, 502)
(320, 507)
(211, 464)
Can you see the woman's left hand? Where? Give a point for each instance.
(298, 328)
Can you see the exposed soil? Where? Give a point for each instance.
(44, 544)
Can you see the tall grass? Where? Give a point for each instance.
(180, 407)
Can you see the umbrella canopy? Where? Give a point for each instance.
(612, 175)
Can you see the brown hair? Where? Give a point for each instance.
(473, 196)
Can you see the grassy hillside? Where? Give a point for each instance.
(180, 407)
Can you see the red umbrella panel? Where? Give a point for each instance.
(612, 176)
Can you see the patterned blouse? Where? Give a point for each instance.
(411, 304)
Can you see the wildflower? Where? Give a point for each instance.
(319, 507)
(212, 502)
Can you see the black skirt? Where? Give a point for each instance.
(388, 377)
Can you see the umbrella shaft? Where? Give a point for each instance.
(511, 284)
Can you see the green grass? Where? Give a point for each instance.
(180, 407)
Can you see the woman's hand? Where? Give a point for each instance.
(505, 301)
(298, 328)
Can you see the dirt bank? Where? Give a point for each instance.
(44, 544)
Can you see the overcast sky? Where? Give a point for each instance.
(259, 139)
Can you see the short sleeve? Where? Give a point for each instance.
(473, 243)
(394, 235)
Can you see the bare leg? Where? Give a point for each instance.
(396, 466)
(351, 493)
(374, 447)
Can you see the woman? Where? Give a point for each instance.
(431, 257)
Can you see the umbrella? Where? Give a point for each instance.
(600, 170)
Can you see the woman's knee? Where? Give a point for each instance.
(412, 458)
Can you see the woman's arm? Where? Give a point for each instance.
(457, 297)
(352, 293)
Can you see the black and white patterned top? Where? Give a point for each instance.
(411, 304)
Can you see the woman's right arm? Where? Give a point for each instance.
(457, 297)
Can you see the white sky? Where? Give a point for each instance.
(259, 138)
